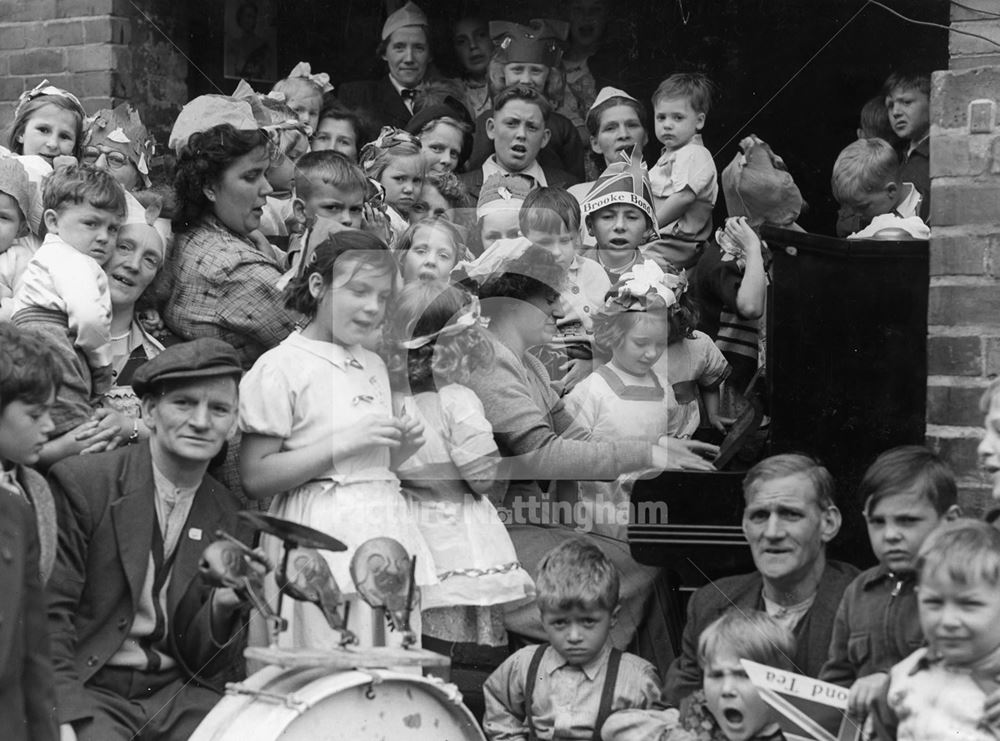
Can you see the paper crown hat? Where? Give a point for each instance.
(500, 192)
(540, 42)
(409, 15)
(15, 183)
(622, 182)
(122, 125)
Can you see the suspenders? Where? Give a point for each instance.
(607, 693)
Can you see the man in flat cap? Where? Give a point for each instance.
(137, 637)
(405, 47)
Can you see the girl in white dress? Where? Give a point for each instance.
(434, 341)
(623, 399)
(319, 430)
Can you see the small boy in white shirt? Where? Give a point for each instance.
(65, 280)
(683, 181)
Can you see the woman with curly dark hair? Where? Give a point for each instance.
(224, 273)
(435, 343)
(519, 290)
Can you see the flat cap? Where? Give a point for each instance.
(205, 357)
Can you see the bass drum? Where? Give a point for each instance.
(315, 704)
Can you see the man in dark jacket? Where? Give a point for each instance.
(135, 631)
(788, 519)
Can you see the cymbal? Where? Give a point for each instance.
(292, 533)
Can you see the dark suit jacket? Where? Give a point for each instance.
(565, 150)
(27, 689)
(106, 517)
(377, 100)
(555, 177)
(812, 634)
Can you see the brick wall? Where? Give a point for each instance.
(104, 51)
(964, 308)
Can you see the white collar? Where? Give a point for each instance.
(338, 355)
(493, 167)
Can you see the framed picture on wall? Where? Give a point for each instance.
(250, 51)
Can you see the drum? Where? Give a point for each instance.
(311, 703)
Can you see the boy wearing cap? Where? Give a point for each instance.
(519, 129)
(406, 50)
(619, 213)
(136, 633)
(532, 55)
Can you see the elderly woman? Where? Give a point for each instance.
(224, 274)
(117, 141)
(132, 277)
(518, 289)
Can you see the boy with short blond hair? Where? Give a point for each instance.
(566, 689)
(908, 491)
(947, 690)
(866, 183)
(728, 705)
(684, 179)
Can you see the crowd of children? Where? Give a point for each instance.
(346, 265)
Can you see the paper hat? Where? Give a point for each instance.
(270, 111)
(540, 42)
(409, 15)
(136, 213)
(492, 261)
(607, 93)
(622, 182)
(501, 192)
(644, 288)
(44, 88)
(756, 184)
(206, 112)
(243, 110)
(122, 125)
(14, 182)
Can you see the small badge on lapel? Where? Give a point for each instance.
(195, 533)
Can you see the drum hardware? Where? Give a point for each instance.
(385, 577)
(230, 563)
(289, 701)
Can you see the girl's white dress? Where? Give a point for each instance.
(304, 391)
(606, 406)
(474, 558)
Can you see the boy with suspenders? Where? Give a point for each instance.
(567, 688)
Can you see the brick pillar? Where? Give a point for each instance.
(964, 308)
(103, 51)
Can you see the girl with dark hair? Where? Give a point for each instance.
(319, 433)
(435, 342)
(223, 271)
